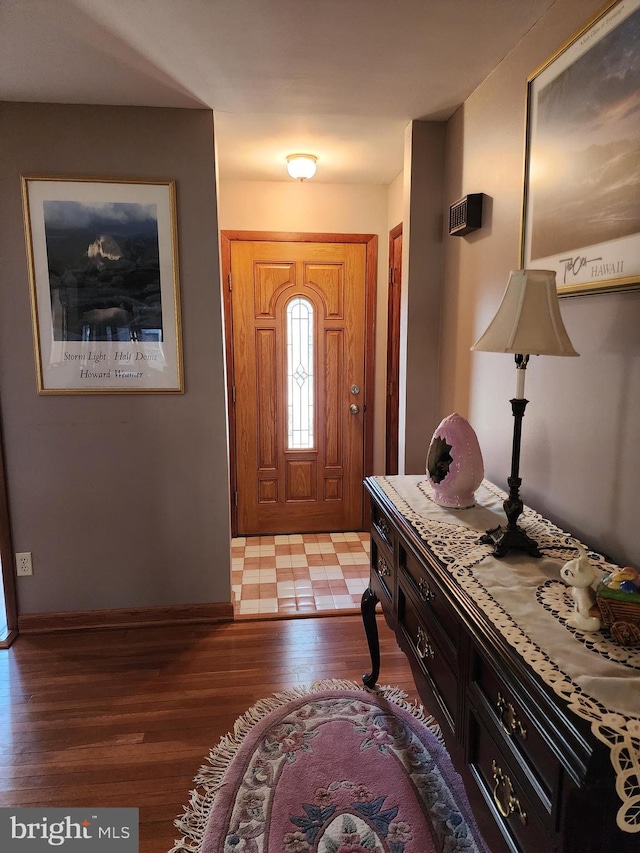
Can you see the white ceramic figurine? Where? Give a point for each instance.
(579, 574)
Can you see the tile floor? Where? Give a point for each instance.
(299, 573)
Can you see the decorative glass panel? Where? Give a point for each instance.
(300, 391)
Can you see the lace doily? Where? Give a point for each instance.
(555, 597)
(458, 549)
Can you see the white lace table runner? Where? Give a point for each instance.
(599, 680)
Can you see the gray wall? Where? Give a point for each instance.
(581, 432)
(422, 287)
(122, 499)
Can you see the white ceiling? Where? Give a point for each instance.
(338, 78)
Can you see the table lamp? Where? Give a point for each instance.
(528, 322)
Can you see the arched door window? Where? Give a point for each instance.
(300, 379)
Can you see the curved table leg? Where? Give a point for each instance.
(368, 610)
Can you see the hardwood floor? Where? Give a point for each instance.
(126, 717)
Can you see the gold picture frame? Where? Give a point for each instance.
(105, 299)
(581, 209)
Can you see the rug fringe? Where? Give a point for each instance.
(210, 776)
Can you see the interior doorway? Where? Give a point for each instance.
(299, 320)
(393, 349)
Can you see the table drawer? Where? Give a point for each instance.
(512, 802)
(426, 645)
(382, 565)
(432, 598)
(383, 527)
(513, 724)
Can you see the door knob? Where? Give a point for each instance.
(354, 409)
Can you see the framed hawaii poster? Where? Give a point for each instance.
(581, 214)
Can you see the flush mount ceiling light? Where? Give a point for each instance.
(301, 166)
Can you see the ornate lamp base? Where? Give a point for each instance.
(505, 539)
(512, 537)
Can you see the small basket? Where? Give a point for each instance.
(621, 616)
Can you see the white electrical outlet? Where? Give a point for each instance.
(24, 566)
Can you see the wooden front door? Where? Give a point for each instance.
(298, 348)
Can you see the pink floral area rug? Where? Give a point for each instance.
(332, 768)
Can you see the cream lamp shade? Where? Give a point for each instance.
(528, 320)
(301, 166)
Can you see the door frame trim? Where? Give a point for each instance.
(371, 279)
(393, 358)
(8, 578)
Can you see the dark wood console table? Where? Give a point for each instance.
(522, 699)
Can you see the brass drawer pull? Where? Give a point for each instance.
(382, 568)
(503, 795)
(384, 528)
(508, 720)
(426, 593)
(423, 646)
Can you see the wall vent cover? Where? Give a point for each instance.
(465, 215)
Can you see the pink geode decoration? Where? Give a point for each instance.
(454, 463)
